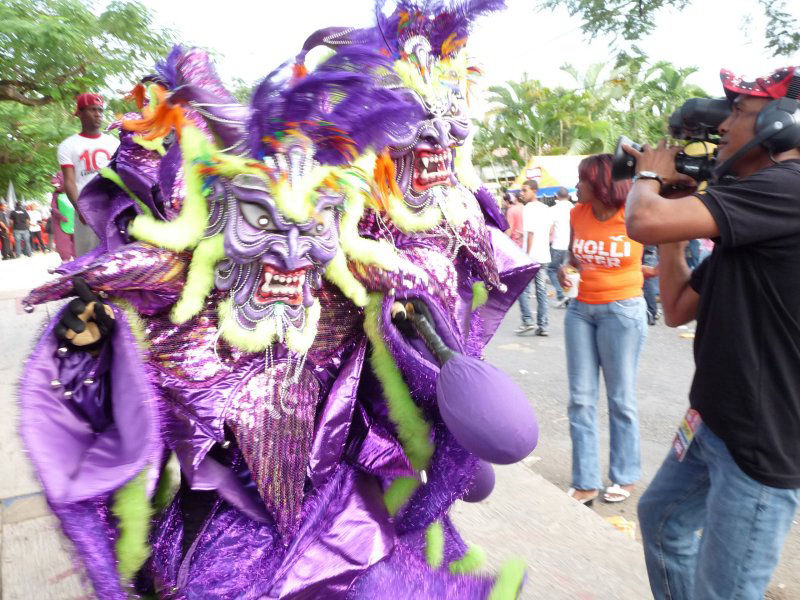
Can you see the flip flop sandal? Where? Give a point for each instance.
(585, 501)
(616, 493)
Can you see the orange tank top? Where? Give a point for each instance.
(611, 262)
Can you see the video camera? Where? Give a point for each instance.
(696, 120)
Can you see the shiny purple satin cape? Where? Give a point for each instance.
(85, 447)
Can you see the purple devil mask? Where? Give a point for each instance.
(279, 234)
(424, 158)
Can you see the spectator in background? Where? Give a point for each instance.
(5, 233)
(525, 296)
(21, 221)
(62, 215)
(81, 157)
(537, 228)
(48, 232)
(514, 218)
(35, 227)
(650, 289)
(560, 241)
(605, 328)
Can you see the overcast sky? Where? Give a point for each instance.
(251, 37)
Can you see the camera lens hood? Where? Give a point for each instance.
(623, 165)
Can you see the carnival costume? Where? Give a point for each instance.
(292, 297)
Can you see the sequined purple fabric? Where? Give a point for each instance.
(89, 526)
(272, 417)
(450, 473)
(150, 278)
(344, 531)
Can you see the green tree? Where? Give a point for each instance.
(51, 50)
(30, 139)
(634, 19)
(634, 97)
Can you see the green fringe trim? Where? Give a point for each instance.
(165, 490)
(408, 221)
(338, 273)
(133, 513)
(399, 492)
(156, 145)
(509, 580)
(480, 295)
(412, 429)
(135, 321)
(199, 280)
(472, 560)
(114, 177)
(187, 229)
(434, 544)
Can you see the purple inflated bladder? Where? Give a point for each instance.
(486, 411)
(482, 485)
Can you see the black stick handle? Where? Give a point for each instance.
(413, 312)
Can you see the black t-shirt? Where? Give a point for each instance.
(20, 218)
(747, 345)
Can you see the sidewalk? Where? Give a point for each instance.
(571, 552)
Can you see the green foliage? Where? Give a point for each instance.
(632, 97)
(30, 137)
(634, 19)
(51, 50)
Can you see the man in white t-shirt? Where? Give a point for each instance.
(81, 157)
(559, 214)
(537, 226)
(36, 227)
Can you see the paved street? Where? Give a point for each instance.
(665, 375)
(571, 552)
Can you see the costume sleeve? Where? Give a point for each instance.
(64, 154)
(758, 209)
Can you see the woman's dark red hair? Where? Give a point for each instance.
(596, 170)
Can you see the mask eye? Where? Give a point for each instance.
(325, 220)
(257, 216)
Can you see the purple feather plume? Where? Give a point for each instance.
(454, 17)
(167, 69)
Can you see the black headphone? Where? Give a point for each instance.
(777, 127)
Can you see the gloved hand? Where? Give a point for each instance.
(87, 322)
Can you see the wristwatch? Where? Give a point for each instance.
(648, 175)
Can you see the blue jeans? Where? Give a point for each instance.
(22, 238)
(650, 290)
(525, 304)
(556, 260)
(540, 283)
(744, 525)
(608, 336)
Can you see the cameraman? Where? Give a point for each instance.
(734, 469)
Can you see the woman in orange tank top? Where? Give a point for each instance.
(604, 328)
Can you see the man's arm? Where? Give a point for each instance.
(654, 219)
(677, 296)
(70, 187)
(528, 242)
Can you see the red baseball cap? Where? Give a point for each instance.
(778, 84)
(85, 100)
